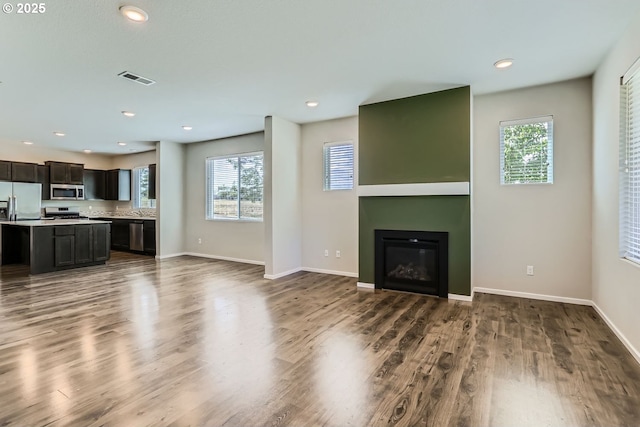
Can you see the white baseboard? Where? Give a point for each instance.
(225, 258)
(634, 351)
(171, 255)
(334, 272)
(284, 273)
(366, 285)
(458, 297)
(543, 297)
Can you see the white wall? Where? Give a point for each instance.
(329, 218)
(616, 283)
(547, 226)
(282, 197)
(237, 240)
(171, 199)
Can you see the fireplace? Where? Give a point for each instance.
(413, 261)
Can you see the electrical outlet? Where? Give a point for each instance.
(326, 252)
(199, 241)
(337, 254)
(529, 270)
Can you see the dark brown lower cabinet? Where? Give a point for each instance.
(149, 232)
(101, 242)
(68, 246)
(84, 244)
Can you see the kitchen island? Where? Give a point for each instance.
(52, 245)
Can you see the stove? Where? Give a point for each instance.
(63, 213)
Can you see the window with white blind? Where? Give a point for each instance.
(234, 187)
(630, 164)
(141, 188)
(338, 166)
(526, 151)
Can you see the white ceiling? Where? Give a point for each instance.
(221, 66)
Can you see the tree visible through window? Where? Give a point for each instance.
(141, 188)
(526, 151)
(235, 187)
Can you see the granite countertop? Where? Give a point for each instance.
(52, 222)
(145, 218)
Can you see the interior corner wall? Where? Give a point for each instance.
(421, 139)
(329, 218)
(235, 240)
(171, 201)
(282, 197)
(616, 282)
(547, 226)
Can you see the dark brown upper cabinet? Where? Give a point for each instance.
(24, 172)
(5, 170)
(119, 184)
(152, 181)
(65, 173)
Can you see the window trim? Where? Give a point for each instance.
(325, 179)
(209, 180)
(135, 190)
(550, 148)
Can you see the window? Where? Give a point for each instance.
(338, 166)
(234, 187)
(526, 151)
(630, 165)
(141, 188)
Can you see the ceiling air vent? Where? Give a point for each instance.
(136, 78)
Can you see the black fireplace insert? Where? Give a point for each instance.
(412, 261)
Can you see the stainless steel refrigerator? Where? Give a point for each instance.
(21, 200)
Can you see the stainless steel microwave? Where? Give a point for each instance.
(67, 192)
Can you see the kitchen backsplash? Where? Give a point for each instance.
(148, 213)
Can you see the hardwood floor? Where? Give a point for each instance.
(190, 342)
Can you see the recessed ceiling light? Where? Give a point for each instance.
(134, 13)
(122, 144)
(87, 151)
(58, 133)
(312, 104)
(128, 113)
(504, 63)
(27, 142)
(187, 127)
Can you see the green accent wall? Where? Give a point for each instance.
(421, 139)
(424, 138)
(426, 213)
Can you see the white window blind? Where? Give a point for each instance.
(526, 151)
(338, 166)
(630, 165)
(235, 187)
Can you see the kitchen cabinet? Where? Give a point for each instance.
(64, 244)
(101, 242)
(5, 170)
(65, 173)
(60, 247)
(120, 234)
(118, 184)
(43, 178)
(84, 244)
(152, 181)
(149, 232)
(24, 172)
(95, 184)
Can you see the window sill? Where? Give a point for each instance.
(235, 220)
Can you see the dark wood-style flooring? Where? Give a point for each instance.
(191, 342)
